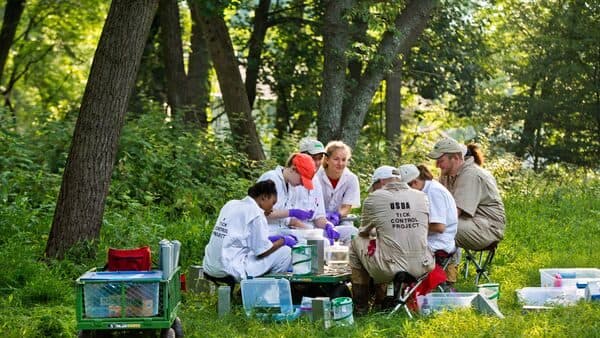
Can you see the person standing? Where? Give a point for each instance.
(481, 215)
(392, 237)
(341, 189)
(298, 172)
(443, 216)
(239, 244)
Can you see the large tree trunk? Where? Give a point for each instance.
(86, 179)
(336, 39)
(393, 109)
(235, 99)
(408, 27)
(12, 16)
(255, 46)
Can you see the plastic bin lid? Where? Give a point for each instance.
(118, 276)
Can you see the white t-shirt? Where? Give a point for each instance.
(442, 209)
(241, 231)
(347, 191)
(310, 200)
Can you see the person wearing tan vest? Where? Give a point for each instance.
(482, 219)
(392, 236)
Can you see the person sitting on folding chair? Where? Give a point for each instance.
(481, 216)
(397, 217)
(443, 217)
(240, 245)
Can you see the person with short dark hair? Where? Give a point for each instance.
(240, 245)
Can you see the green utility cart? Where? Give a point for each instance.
(128, 303)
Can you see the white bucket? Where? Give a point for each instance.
(490, 291)
(342, 311)
(302, 259)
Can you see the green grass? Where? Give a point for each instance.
(551, 223)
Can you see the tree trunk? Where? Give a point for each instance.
(198, 72)
(86, 179)
(393, 109)
(336, 39)
(408, 27)
(232, 87)
(172, 49)
(255, 46)
(12, 16)
(529, 127)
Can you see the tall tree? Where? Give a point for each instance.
(235, 98)
(393, 108)
(87, 174)
(187, 93)
(342, 113)
(12, 16)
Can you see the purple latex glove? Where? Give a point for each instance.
(331, 233)
(289, 240)
(300, 214)
(333, 217)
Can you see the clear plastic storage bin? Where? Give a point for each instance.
(445, 301)
(268, 298)
(548, 296)
(121, 293)
(555, 277)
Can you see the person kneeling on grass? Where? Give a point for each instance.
(240, 244)
(397, 216)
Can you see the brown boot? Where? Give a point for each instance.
(380, 296)
(360, 298)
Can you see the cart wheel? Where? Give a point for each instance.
(177, 327)
(168, 333)
(340, 290)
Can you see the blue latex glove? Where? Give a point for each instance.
(333, 217)
(300, 214)
(331, 233)
(289, 240)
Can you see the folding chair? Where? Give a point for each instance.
(404, 288)
(218, 281)
(482, 263)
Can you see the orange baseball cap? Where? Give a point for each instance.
(306, 168)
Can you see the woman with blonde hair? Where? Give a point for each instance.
(341, 190)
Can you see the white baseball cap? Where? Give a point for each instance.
(408, 172)
(383, 172)
(311, 146)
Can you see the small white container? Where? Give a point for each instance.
(302, 256)
(337, 255)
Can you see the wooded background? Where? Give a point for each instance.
(247, 79)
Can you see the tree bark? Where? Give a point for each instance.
(198, 72)
(255, 46)
(12, 16)
(172, 49)
(235, 99)
(393, 109)
(408, 25)
(336, 39)
(87, 175)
